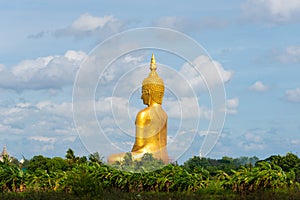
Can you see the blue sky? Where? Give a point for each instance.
(255, 43)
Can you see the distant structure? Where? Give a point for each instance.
(4, 154)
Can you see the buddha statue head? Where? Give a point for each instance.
(152, 86)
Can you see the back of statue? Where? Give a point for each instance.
(151, 134)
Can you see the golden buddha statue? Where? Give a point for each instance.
(151, 122)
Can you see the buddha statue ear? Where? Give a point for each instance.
(148, 91)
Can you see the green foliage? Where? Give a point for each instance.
(289, 162)
(47, 164)
(146, 164)
(81, 181)
(262, 176)
(91, 178)
(72, 159)
(95, 157)
(38, 163)
(56, 164)
(225, 164)
(11, 177)
(70, 155)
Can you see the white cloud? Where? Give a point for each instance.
(204, 74)
(30, 127)
(43, 139)
(87, 25)
(206, 132)
(172, 22)
(290, 55)
(252, 140)
(75, 55)
(63, 109)
(2, 67)
(272, 11)
(208, 69)
(232, 105)
(295, 142)
(133, 59)
(252, 146)
(10, 129)
(293, 95)
(43, 72)
(41, 119)
(186, 108)
(23, 105)
(87, 22)
(258, 86)
(253, 137)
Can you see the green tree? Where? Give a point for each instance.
(148, 163)
(11, 176)
(95, 157)
(38, 162)
(56, 164)
(196, 162)
(289, 162)
(70, 156)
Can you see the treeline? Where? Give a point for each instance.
(226, 164)
(89, 176)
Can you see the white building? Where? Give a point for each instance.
(3, 154)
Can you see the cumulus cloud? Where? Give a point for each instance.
(31, 118)
(232, 106)
(133, 59)
(252, 140)
(186, 108)
(293, 95)
(88, 25)
(87, 22)
(258, 86)
(271, 11)
(205, 66)
(294, 142)
(252, 137)
(42, 73)
(173, 22)
(203, 74)
(289, 55)
(43, 139)
(35, 127)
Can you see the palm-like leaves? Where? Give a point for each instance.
(264, 176)
(11, 178)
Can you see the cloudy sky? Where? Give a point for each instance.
(253, 44)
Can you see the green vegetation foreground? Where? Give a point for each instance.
(79, 177)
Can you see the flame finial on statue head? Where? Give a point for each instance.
(153, 63)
